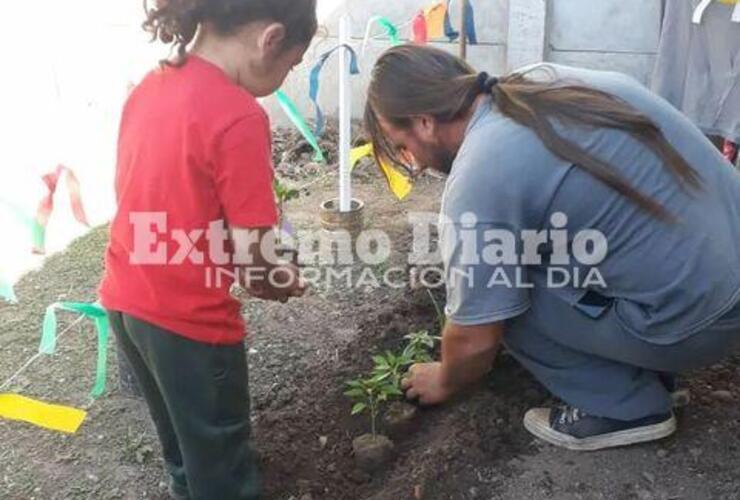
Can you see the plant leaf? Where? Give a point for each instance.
(355, 393)
(358, 408)
(380, 378)
(380, 361)
(393, 390)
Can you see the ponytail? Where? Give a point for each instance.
(411, 80)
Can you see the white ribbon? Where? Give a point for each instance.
(702, 7)
(368, 32)
(699, 11)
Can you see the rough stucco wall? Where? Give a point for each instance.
(617, 35)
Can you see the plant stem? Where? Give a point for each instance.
(373, 416)
(441, 318)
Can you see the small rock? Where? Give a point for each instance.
(323, 440)
(473, 492)
(385, 317)
(662, 453)
(643, 494)
(331, 468)
(358, 476)
(372, 452)
(649, 477)
(681, 398)
(398, 419)
(303, 485)
(724, 396)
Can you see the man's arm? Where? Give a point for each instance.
(467, 355)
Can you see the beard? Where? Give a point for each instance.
(439, 158)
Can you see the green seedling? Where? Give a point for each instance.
(384, 383)
(420, 347)
(392, 366)
(283, 194)
(369, 395)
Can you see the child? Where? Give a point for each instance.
(194, 167)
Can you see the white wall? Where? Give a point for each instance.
(617, 35)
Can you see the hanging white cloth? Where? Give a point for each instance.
(698, 66)
(699, 11)
(698, 15)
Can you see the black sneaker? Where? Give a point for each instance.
(573, 429)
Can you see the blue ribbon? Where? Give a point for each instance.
(313, 91)
(469, 24)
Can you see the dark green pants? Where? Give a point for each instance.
(198, 397)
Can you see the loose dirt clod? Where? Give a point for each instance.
(399, 419)
(372, 452)
(724, 396)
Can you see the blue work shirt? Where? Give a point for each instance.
(666, 280)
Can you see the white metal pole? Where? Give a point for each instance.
(345, 118)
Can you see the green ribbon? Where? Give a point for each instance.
(36, 230)
(390, 29)
(7, 292)
(99, 316)
(295, 116)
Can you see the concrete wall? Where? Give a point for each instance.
(619, 35)
(603, 34)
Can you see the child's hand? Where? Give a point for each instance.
(289, 274)
(283, 283)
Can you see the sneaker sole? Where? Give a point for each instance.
(537, 422)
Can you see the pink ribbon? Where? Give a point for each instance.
(46, 206)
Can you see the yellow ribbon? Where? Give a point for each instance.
(398, 183)
(53, 417)
(435, 16)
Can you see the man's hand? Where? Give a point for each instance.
(425, 382)
(467, 355)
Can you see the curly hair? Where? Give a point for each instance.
(177, 21)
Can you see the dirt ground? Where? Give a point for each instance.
(300, 355)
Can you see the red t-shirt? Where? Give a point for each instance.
(194, 148)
